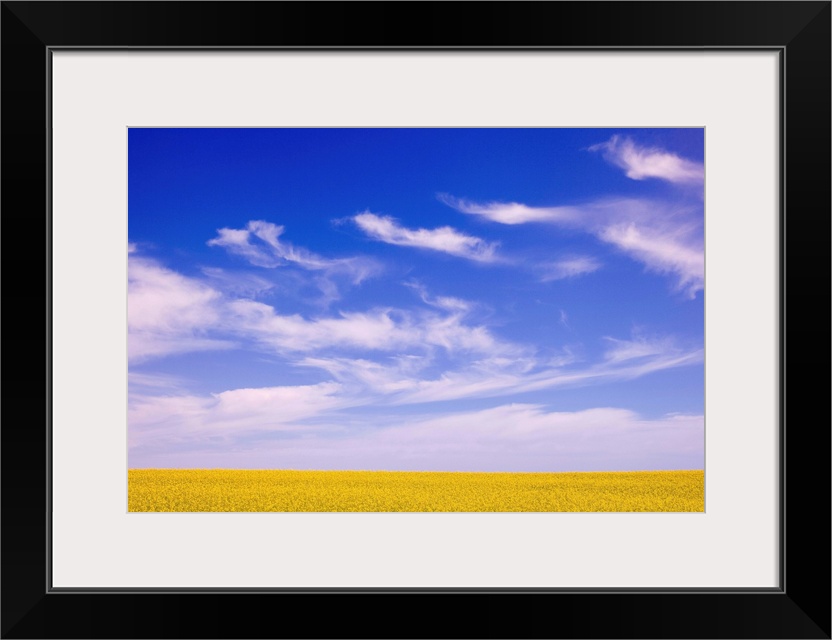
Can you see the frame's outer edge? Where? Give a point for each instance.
(447, 24)
(22, 200)
(807, 229)
(29, 28)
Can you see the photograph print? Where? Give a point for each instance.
(416, 320)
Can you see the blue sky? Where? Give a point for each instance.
(416, 299)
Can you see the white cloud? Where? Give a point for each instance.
(154, 380)
(448, 303)
(271, 252)
(568, 268)
(639, 347)
(491, 381)
(661, 251)
(276, 405)
(443, 239)
(238, 283)
(375, 330)
(666, 239)
(409, 357)
(510, 212)
(383, 378)
(429, 354)
(420, 379)
(165, 421)
(404, 379)
(511, 437)
(168, 313)
(639, 163)
(143, 346)
(260, 243)
(382, 329)
(525, 437)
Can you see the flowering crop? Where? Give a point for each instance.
(197, 490)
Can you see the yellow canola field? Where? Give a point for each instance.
(227, 490)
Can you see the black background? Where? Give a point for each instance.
(799, 609)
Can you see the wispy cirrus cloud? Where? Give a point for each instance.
(510, 212)
(640, 162)
(387, 343)
(169, 313)
(664, 238)
(663, 251)
(408, 357)
(274, 252)
(443, 239)
(375, 379)
(240, 283)
(448, 303)
(261, 245)
(379, 329)
(530, 437)
(398, 381)
(569, 267)
(154, 381)
(162, 421)
(638, 347)
(313, 415)
(271, 251)
(488, 380)
(251, 430)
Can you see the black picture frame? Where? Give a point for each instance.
(798, 608)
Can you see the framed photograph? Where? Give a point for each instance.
(300, 284)
(460, 357)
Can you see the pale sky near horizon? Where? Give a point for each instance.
(416, 299)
